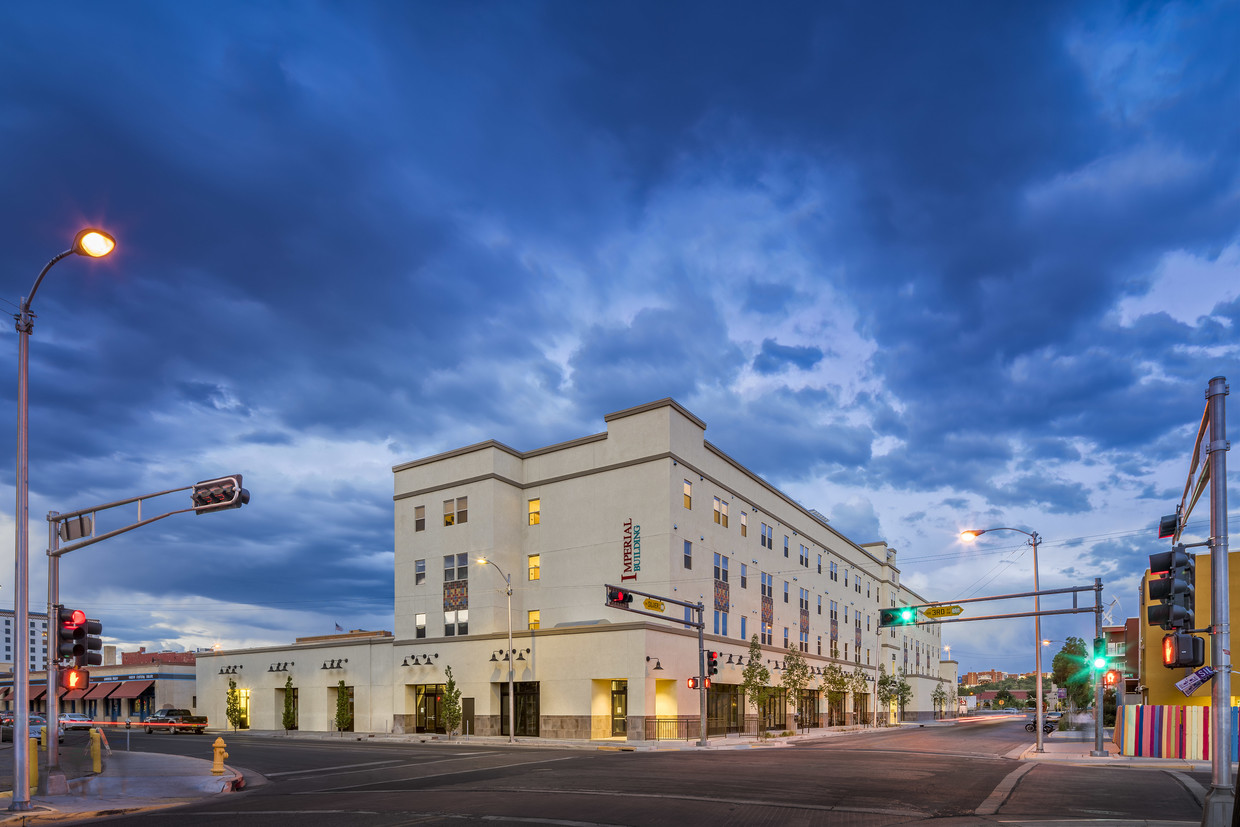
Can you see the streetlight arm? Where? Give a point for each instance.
(26, 301)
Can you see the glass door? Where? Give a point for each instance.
(619, 708)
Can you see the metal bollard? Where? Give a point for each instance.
(217, 761)
(34, 764)
(96, 756)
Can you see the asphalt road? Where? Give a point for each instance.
(904, 776)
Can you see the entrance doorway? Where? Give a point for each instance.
(429, 714)
(619, 708)
(525, 701)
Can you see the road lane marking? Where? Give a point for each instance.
(330, 769)
(1000, 793)
(435, 775)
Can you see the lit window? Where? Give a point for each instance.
(419, 622)
(532, 619)
(419, 572)
(449, 512)
(718, 511)
(744, 529)
(535, 509)
(419, 518)
(688, 494)
(535, 566)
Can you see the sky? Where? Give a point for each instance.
(923, 266)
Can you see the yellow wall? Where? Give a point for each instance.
(1159, 680)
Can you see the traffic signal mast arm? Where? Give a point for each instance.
(696, 624)
(74, 524)
(921, 607)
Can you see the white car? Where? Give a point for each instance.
(74, 720)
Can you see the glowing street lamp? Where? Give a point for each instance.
(512, 720)
(91, 243)
(972, 534)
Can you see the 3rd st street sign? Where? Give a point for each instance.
(942, 611)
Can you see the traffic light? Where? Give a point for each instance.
(1174, 590)
(92, 650)
(1111, 680)
(692, 683)
(70, 633)
(904, 616)
(619, 598)
(1183, 650)
(1100, 653)
(712, 664)
(216, 495)
(74, 678)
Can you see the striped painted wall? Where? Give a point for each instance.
(1169, 732)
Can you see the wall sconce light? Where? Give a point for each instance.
(494, 659)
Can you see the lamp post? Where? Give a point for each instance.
(512, 720)
(971, 535)
(93, 244)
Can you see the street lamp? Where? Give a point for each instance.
(91, 243)
(512, 720)
(971, 535)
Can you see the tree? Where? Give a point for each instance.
(344, 718)
(939, 698)
(903, 692)
(859, 685)
(755, 681)
(795, 679)
(1070, 671)
(232, 707)
(835, 684)
(885, 690)
(450, 709)
(1004, 698)
(290, 711)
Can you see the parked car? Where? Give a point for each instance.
(36, 722)
(74, 720)
(176, 720)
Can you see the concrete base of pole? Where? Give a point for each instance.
(1099, 754)
(1217, 810)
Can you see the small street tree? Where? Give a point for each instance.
(859, 685)
(451, 707)
(289, 719)
(835, 684)
(885, 690)
(755, 681)
(939, 698)
(903, 692)
(232, 705)
(1070, 670)
(344, 718)
(795, 679)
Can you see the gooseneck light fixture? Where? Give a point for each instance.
(91, 243)
(971, 535)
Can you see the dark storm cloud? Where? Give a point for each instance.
(775, 357)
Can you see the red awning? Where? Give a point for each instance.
(74, 694)
(35, 694)
(131, 689)
(5, 692)
(101, 690)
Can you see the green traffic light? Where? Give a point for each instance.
(1100, 663)
(907, 615)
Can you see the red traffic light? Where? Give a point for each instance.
(619, 598)
(1112, 677)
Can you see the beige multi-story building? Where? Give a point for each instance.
(648, 505)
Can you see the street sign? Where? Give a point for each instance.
(654, 605)
(1190, 684)
(943, 611)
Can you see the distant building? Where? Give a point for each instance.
(978, 678)
(142, 656)
(34, 642)
(650, 505)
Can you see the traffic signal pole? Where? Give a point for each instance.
(1221, 798)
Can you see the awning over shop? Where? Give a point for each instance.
(100, 690)
(35, 694)
(5, 692)
(131, 689)
(75, 694)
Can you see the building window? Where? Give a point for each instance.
(845, 578)
(845, 650)
(742, 627)
(804, 555)
(535, 510)
(721, 623)
(835, 572)
(419, 623)
(804, 599)
(449, 512)
(768, 536)
(456, 511)
(419, 518)
(804, 641)
(785, 591)
(835, 615)
(721, 568)
(767, 633)
(419, 572)
(819, 604)
(455, 567)
(820, 564)
(820, 644)
(456, 623)
(785, 545)
(857, 584)
(532, 618)
(768, 585)
(688, 494)
(688, 554)
(785, 637)
(535, 566)
(744, 525)
(744, 577)
(721, 512)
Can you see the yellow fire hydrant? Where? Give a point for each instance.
(217, 762)
(96, 752)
